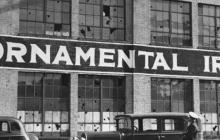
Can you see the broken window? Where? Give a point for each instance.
(171, 95)
(209, 103)
(35, 19)
(170, 23)
(101, 98)
(209, 26)
(43, 103)
(104, 19)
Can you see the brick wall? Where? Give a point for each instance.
(142, 93)
(9, 17)
(73, 104)
(141, 22)
(8, 92)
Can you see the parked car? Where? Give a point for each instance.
(13, 129)
(151, 126)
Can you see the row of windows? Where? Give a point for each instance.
(44, 105)
(105, 20)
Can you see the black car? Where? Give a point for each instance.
(13, 129)
(151, 126)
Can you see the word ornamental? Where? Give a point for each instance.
(37, 53)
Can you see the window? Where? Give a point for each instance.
(45, 17)
(4, 127)
(150, 124)
(173, 124)
(102, 19)
(171, 95)
(43, 103)
(15, 126)
(124, 123)
(209, 101)
(209, 26)
(101, 98)
(170, 23)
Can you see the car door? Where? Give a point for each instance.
(148, 129)
(172, 129)
(171, 136)
(146, 136)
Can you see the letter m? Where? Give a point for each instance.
(90, 54)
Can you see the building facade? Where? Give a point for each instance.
(68, 66)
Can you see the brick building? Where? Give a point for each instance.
(68, 66)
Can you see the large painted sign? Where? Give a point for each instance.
(38, 53)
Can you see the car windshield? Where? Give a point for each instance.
(124, 123)
(15, 126)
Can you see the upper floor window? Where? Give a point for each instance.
(102, 19)
(170, 23)
(209, 26)
(45, 17)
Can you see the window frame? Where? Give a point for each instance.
(101, 26)
(170, 99)
(170, 27)
(211, 88)
(42, 110)
(201, 5)
(44, 21)
(102, 99)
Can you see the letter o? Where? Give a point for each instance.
(1, 51)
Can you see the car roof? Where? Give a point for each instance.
(9, 118)
(155, 114)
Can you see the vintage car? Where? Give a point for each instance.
(13, 129)
(151, 126)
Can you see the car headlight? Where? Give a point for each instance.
(83, 136)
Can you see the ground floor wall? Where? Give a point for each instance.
(139, 90)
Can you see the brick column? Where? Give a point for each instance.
(73, 104)
(9, 17)
(129, 21)
(129, 94)
(142, 94)
(141, 21)
(195, 26)
(75, 19)
(196, 96)
(8, 92)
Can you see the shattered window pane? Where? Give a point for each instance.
(170, 17)
(208, 21)
(55, 11)
(102, 20)
(101, 106)
(169, 94)
(40, 113)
